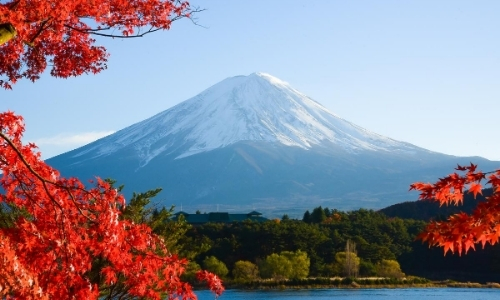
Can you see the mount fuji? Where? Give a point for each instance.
(254, 142)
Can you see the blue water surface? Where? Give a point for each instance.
(359, 294)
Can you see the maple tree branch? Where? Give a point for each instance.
(194, 20)
(62, 231)
(21, 156)
(14, 4)
(23, 187)
(100, 29)
(45, 181)
(39, 30)
(96, 31)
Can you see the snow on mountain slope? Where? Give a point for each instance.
(258, 107)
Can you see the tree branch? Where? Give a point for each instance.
(45, 181)
(39, 30)
(96, 31)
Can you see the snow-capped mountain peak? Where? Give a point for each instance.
(254, 141)
(257, 107)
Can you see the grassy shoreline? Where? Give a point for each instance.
(353, 283)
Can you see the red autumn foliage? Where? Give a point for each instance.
(462, 231)
(69, 242)
(213, 281)
(50, 250)
(59, 33)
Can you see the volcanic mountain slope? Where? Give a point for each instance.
(255, 142)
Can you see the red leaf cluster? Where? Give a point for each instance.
(49, 252)
(214, 282)
(462, 231)
(59, 33)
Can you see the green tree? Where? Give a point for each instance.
(212, 264)
(367, 268)
(347, 264)
(140, 210)
(389, 268)
(9, 214)
(286, 265)
(318, 215)
(190, 273)
(276, 266)
(245, 271)
(300, 262)
(307, 217)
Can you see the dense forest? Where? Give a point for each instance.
(378, 239)
(375, 239)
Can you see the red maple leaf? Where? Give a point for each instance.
(460, 232)
(37, 34)
(50, 252)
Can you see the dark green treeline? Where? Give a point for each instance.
(321, 236)
(322, 233)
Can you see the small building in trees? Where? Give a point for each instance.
(219, 217)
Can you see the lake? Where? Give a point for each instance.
(359, 294)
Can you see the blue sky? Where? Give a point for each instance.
(424, 72)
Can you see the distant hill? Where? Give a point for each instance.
(428, 210)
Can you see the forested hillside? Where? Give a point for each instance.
(430, 210)
(323, 235)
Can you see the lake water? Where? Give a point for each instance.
(359, 294)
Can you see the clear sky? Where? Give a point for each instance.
(424, 72)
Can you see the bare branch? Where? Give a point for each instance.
(97, 31)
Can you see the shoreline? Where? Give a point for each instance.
(348, 283)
